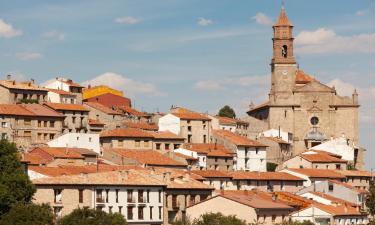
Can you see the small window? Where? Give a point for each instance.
(130, 212)
(314, 120)
(137, 143)
(158, 146)
(330, 187)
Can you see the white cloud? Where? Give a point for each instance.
(229, 83)
(129, 86)
(7, 30)
(262, 19)
(204, 22)
(208, 85)
(127, 20)
(360, 13)
(342, 88)
(54, 34)
(324, 40)
(28, 55)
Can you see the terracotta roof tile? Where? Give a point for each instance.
(12, 84)
(242, 175)
(27, 110)
(71, 83)
(237, 139)
(131, 111)
(356, 173)
(126, 132)
(318, 173)
(141, 125)
(102, 108)
(162, 135)
(348, 186)
(67, 107)
(191, 116)
(333, 199)
(146, 157)
(302, 77)
(40, 110)
(316, 157)
(185, 156)
(93, 122)
(212, 173)
(34, 159)
(60, 152)
(277, 140)
(229, 121)
(60, 92)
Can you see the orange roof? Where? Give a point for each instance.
(340, 210)
(277, 140)
(162, 135)
(27, 85)
(209, 149)
(302, 77)
(67, 107)
(102, 108)
(333, 199)
(191, 116)
(93, 122)
(348, 186)
(60, 92)
(71, 83)
(356, 173)
(318, 173)
(237, 139)
(321, 158)
(131, 111)
(61, 152)
(34, 159)
(283, 19)
(27, 110)
(212, 173)
(260, 106)
(141, 125)
(146, 157)
(126, 132)
(185, 156)
(242, 175)
(230, 121)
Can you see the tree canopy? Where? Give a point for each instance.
(28, 214)
(86, 216)
(211, 219)
(370, 200)
(15, 186)
(227, 111)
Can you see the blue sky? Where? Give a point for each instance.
(192, 53)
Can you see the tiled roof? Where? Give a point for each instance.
(318, 173)
(348, 186)
(12, 84)
(229, 121)
(356, 173)
(121, 177)
(60, 152)
(126, 132)
(60, 92)
(71, 83)
(102, 108)
(141, 125)
(185, 156)
(212, 173)
(162, 135)
(67, 107)
(131, 111)
(283, 19)
(340, 210)
(237, 139)
(34, 159)
(215, 150)
(277, 140)
(27, 110)
(242, 175)
(146, 157)
(333, 199)
(316, 157)
(302, 77)
(93, 122)
(260, 106)
(191, 116)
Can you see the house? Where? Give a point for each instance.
(312, 176)
(109, 100)
(210, 156)
(278, 133)
(278, 150)
(112, 119)
(316, 160)
(140, 125)
(339, 146)
(358, 178)
(166, 140)
(225, 123)
(135, 194)
(133, 114)
(76, 116)
(250, 155)
(141, 157)
(13, 92)
(29, 125)
(127, 138)
(220, 180)
(252, 206)
(194, 127)
(67, 85)
(339, 190)
(95, 126)
(77, 140)
(61, 96)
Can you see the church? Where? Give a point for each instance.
(299, 104)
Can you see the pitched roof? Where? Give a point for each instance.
(71, 83)
(283, 19)
(27, 110)
(238, 139)
(242, 175)
(356, 173)
(131, 111)
(12, 84)
(229, 121)
(191, 116)
(93, 122)
(320, 157)
(212, 173)
(146, 157)
(209, 149)
(62, 152)
(121, 177)
(187, 157)
(333, 199)
(67, 107)
(165, 135)
(34, 159)
(302, 78)
(126, 132)
(277, 140)
(102, 108)
(60, 92)
(348, 186)
(318, 173)
(141, 125)
(260, 106)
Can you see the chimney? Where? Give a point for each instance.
(32, 80)
(9, 77)
(167, 176)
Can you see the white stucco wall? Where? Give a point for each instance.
(337, 146)
(169, 122)
(276, 133)
(77, 140)
(256, 160)
(56, 84)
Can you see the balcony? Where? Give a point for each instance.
(175, 205)
(131, 200)
(99, 200)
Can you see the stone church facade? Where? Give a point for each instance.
(299, 104)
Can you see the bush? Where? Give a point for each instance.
(29, 101)
(211, 219)
(271, 167)
(86, 216)
(28, 214)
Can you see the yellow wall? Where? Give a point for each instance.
(100, 90)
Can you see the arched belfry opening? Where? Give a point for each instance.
(284, 51)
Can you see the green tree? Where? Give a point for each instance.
(28, 214)
(218, 219)
(227, 111)
(370, 200)
(271, 167)
(86, 216)
(15, 186)
(290, 222)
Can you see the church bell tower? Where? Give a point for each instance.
(283, 64)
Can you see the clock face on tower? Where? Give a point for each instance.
(284, 72)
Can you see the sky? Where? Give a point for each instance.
(200, 54)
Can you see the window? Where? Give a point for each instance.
(117, 190)
(160, 212)
(330, 187)
(120, 143)
(57, 211)
(314, 120)
(188, 121)
(140, 212)
(4, 124)
(338, 166)
(189, 138)
(146, 144)
(120, 209)
(73, 119)
(130, 195)
(140, 196)
(158, 146)
(273, 218)
(130, 212)
(51, 123)
(159, 196)
(282, 185)
(27, 134)
(106, 195)
(166, 146)
(80, 195)
(137, 143)
(4, 136)
(110, 209)
(256, 151)
(57, 195)
(204, 138)
(189, 128)
(27, 122)
(284, 51)
(99, 195)
(148, 196)
(151, 212)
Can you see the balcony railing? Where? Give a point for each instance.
(99, 199)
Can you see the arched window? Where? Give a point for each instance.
(284, 51)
